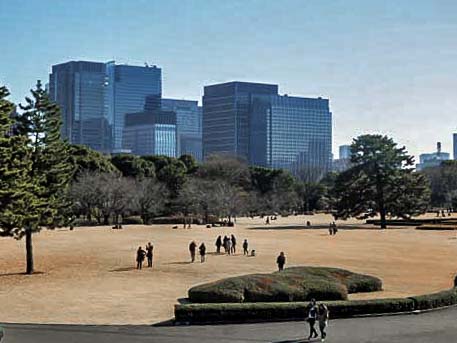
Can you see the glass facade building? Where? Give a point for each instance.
(151, 133)
(226, 113)
(189, 125)
(79, 88)
(129, 86)
(291, 133)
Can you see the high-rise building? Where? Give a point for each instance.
(150, 133)
(79, 88)
(128, 88)
(454, 145)
(189, 126)
(433, 159)
(226, 112)
(345, 152)
(95, 97)
(291, 133)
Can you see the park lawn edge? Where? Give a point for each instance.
(224, 313)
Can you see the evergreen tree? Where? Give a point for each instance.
(14, 167)
(381, 181)
(50, 171)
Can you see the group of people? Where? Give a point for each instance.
(449, 211)
(317, 313)
(201, 250)
(142, 254)
(228, 243)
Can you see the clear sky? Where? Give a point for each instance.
(387, 66)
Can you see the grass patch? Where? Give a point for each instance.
(293, 284)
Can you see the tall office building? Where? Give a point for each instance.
(454, 145)
(151, 132)
(433, 159)
(189, 126)
(226, 112)
(128, 88)
(79, 89)
(345, 152)
(95, 97)
(291, 133)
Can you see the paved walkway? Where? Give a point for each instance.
(433, 327)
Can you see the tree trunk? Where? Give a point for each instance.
(29, 250)
(383, 218)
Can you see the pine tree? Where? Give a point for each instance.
(50, 171)
(14, 167)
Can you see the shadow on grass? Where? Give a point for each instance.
(181, 263)
(123, 269)
(18, 274)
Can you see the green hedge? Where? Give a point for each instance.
(435, 300)
(258, 312)
(292, 284)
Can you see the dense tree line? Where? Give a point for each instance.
(46, 182)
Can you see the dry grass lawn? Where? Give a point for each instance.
(88, 276)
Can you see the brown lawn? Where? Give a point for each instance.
(88, 276)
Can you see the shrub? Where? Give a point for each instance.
(85, 222)
(434, 300)
(293, 284)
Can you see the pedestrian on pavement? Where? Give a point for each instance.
(322, 317)
(218, 244)
(149, 254)
(311, 310)
(245, 247)
(140, 254)
(202, 249)
(192, 249)
(233, 239)
(281, 261)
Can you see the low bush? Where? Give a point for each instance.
(257, 312)
(132, 220)
(293, 284)
(434, 300)
(84, 222)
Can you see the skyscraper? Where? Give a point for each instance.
(454, 145)
(189, 126)
(79, 88)
(226, 112)
(128, 87)
(345, 152)
(291, 133)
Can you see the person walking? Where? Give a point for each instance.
(281, 261)
(245, 247)
(322, 318)
(140, 254)
(224, 242)
(202, 249)
(218, 244)
(149, 254)
(192, 250)
(311, 309)
(229, 246)
(233, 241)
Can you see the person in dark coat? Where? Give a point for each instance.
(140, 254)
(281, 261)
(192, 250)
(233, 239)
(245, 247)
(224, 242)
(218, 244)
(202, 249)
(311, 311)
(149, 254)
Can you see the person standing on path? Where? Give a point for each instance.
(233, 239)
(218, 244)
(281, 261)
(202, 249)
(149, 254)
(311, 309)
(322, 318)
(140, 254)
(245, 247)
(192, 250)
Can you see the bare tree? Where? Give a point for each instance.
(149, 198)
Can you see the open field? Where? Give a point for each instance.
(88, 274)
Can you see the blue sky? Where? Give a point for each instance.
(387, 66)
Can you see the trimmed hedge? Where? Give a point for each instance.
(259, 312)
(292, 284)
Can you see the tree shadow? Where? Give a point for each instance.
(123, 269)
(301, 340)
(180, 263)
(21, 273)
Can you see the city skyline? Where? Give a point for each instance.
(384, 65)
